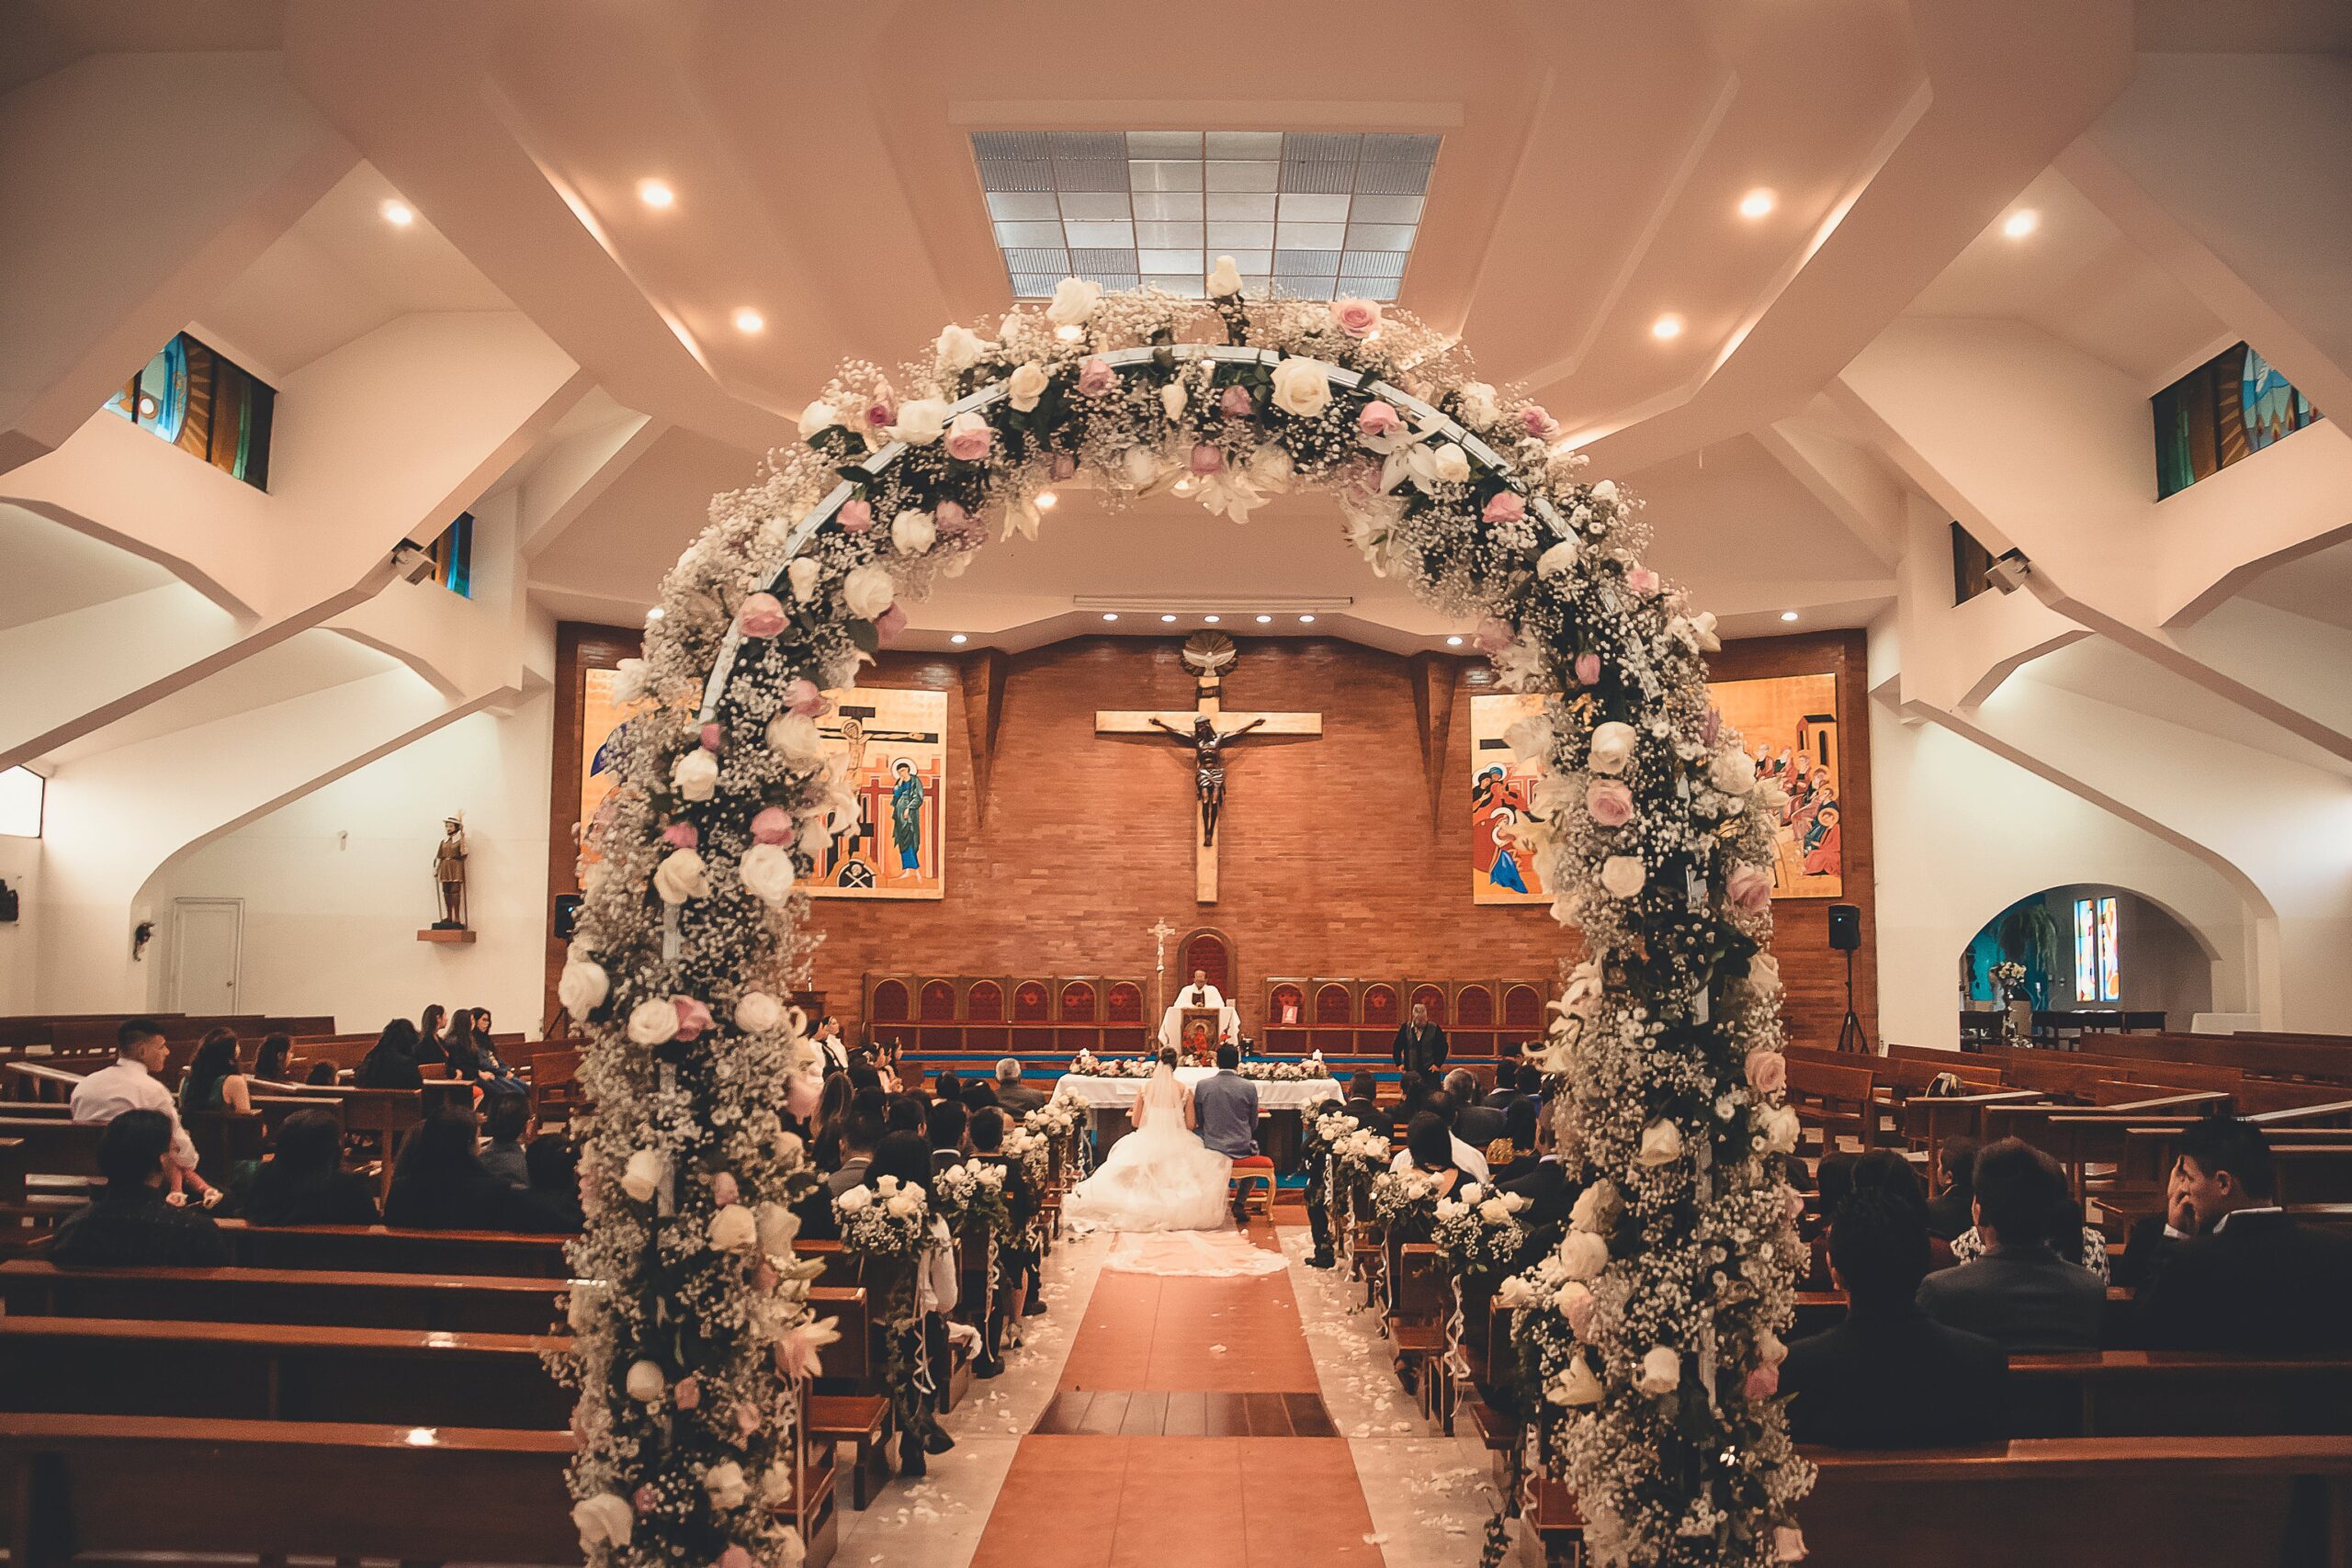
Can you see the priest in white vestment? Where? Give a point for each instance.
(1199, 994)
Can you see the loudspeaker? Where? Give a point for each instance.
(567, 915)
(1845, 928)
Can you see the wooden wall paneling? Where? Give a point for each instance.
(1434, 677)
(579, 647)
(982, 675)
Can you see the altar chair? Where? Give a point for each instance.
(1255, 1166)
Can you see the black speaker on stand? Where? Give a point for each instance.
(1846, 937)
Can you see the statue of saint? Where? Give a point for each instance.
(449, 874)
(1208, 764)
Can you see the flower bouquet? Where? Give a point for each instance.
(1405, 1202)
(1480, 1232)
(889, 1223)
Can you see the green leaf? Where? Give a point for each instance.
(863, 634)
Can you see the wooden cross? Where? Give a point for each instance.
(1209, 730)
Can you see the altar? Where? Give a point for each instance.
(1281, 1106)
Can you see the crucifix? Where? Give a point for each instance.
(1208, 729)
(1161, 931)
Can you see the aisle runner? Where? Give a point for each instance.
(1094, 1487)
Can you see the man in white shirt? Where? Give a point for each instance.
(1472, 1162)
(132, 1085)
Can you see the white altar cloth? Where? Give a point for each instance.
(1107, 1093)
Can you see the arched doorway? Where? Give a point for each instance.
(2118, 957)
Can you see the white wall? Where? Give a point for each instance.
(331, 923)
(20, 868)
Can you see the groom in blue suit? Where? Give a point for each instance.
(1226, 1105)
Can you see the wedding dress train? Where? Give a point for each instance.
(1158, 1178)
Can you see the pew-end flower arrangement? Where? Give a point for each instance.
(1480, 1232)
(889, 1224)
(1648, 821)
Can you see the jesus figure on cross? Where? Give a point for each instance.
(1208, 765)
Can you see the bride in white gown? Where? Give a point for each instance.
(1161, 1176)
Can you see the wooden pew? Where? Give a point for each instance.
(2117, 1394)
(327, 1298)
(41, 1081)
(1836, 1098)
(380, 1248)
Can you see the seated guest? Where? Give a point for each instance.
(1018, 1265)
(864, 1074)
(2019, 1293)
(1890, 1376)
(133, 1084)
(2252, 1278)
(2069, 1237)
(431, 1035)
(1364, 1103)
(1441, 1105)
(861, 1135)
(825, 1133)
(1514, 1155)
(130, 1224)
(457, 1049)
(392, 1063)
(274, 1060)
(1016, 1096)
(490, 1068)
(949, 1085)
(907, 1114)
(1883, 1170)
(321, 1073)
(1429, 1148)
(439, 1184)
(1476, 1123)
(505, 1120)
(1833, 1184)
(303, 1182)
(1549, 1192)
(1948, 1211)
(213, 1082)
(905, 1156)
(945, 1131)
(2153, 1236)
(552, 1169)
(1506, 1085)
(981, 1096)
(832, 1051)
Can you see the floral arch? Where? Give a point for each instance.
(1656, 1322)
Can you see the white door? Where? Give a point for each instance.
(206, 936)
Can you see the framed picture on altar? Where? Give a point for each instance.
(1501, 796)
(1789, 724)
(893, 747)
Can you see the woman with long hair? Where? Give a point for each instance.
(440, 1183)
(213, 1082)
(304, 1183)
(825, 1131)
(274, 1063)
(391, 1064)
(432, 1032)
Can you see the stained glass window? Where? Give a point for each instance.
(205, 403)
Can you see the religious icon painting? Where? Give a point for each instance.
(1502, 870)
(603, 723)
(1789, 724)
(893, 749)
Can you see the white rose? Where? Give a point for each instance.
(1270, 467)
(959, 349)
(776, 1486)
(1605, 492)
(767, 873)
(1450, 464)
(1733, 771)
(646, 1382)
(1770, 1349)
(1591, 1208)
(642, 1176)
(1557, 561)
(904, 1204)
(604, 1520)
(1697, 632)
(681, 876)
(867, 593)
(803, 574)
(1661, 1371)
(1583, 1255)
(756, 1013)
(1779, 1127)
(1612, 748)
(1172, 399)
(1225, 279)
(1622, 875)
(795, 738)
(1661, 1144)
(1494, 1211)
(1575, 1386)
(817, 416)
(922, 420)
(726, 1484)
(815, 834)
(854, 1201)
(1074, 301)
(1764, 976)
(1302, 387)
(1026, 385)
(629, 680)
(583, 986)
(1514, 1292)
(580, 1306)
(1569, 1297)
(653, 1022)
(1140, 466)
(1479, 408)
(733, 1228)
(696, 775)
(778, 1226)
(1530, 738)
(1468, 1191)
(913, 532)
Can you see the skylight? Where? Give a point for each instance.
(1310, 215)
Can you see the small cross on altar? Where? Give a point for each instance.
(1161, 931)
(1209, 730)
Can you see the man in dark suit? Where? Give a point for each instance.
(2252, 1278)
(1506, 1085)
(1477, 1124)
(1890, 1376)
(1364, 1103)
(1420, 1044)
(2020, 1293)
(1017, 1097)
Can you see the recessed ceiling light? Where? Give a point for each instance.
(1454, 642)
(1667, 326)
(1758, 203)
(655, 193)
(1212, 619)
(1306, 620)
(2021, 222)
(398, 213)
(1167, 618)
(959, 638)
(1788, 614)
(1263, 620)
(1109, 615)
(1047, 500)
(749, 321)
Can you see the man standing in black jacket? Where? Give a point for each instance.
(2252, 1278)
(1420, 1044)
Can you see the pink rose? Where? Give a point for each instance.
(888, 624)
(1748, 886)
(952, 521)
(1237, 404)
(1796, 1203)
(801, 696)
(1096, 378)
(592, 1197)
(1580, 1312)
(1505, 506)
(1642, 581)
(1788, 1543)
(1207, 459)
(747, 1421)
(1767, 1072)
(1379, 418)
(762, 615)
(1064, 466)
(1538, 422)
(644, 1498)
(713, 737)
(686, 1393)
(1492, 636)
(1711, 725)
(855, 516)
(774, 825)
(1588, 670)
(681, 835)
(971, 442)
(723, 1189)
(764, 1278)
(735, 1556)
(1357, 317)
(880, 415)
(1763, 1383)
(1608, 803)
(692, 1017)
